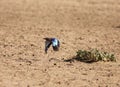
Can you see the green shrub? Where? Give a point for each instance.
(94, 55)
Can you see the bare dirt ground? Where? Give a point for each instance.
(78, 24)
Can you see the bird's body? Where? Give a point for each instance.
(52, 41)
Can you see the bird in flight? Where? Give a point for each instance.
(51, 41)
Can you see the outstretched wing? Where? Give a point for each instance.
(47, 45)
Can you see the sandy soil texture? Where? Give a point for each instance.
(78, 24)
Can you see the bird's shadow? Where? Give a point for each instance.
(118, 26)
(75, 58)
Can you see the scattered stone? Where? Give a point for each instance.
(55, 64)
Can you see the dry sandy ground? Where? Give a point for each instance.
(78, 24)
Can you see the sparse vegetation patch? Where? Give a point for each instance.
(94, 55)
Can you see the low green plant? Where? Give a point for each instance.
(94, 55)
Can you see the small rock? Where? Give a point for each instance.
(55, 64)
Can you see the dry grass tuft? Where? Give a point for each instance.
(94, 55)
